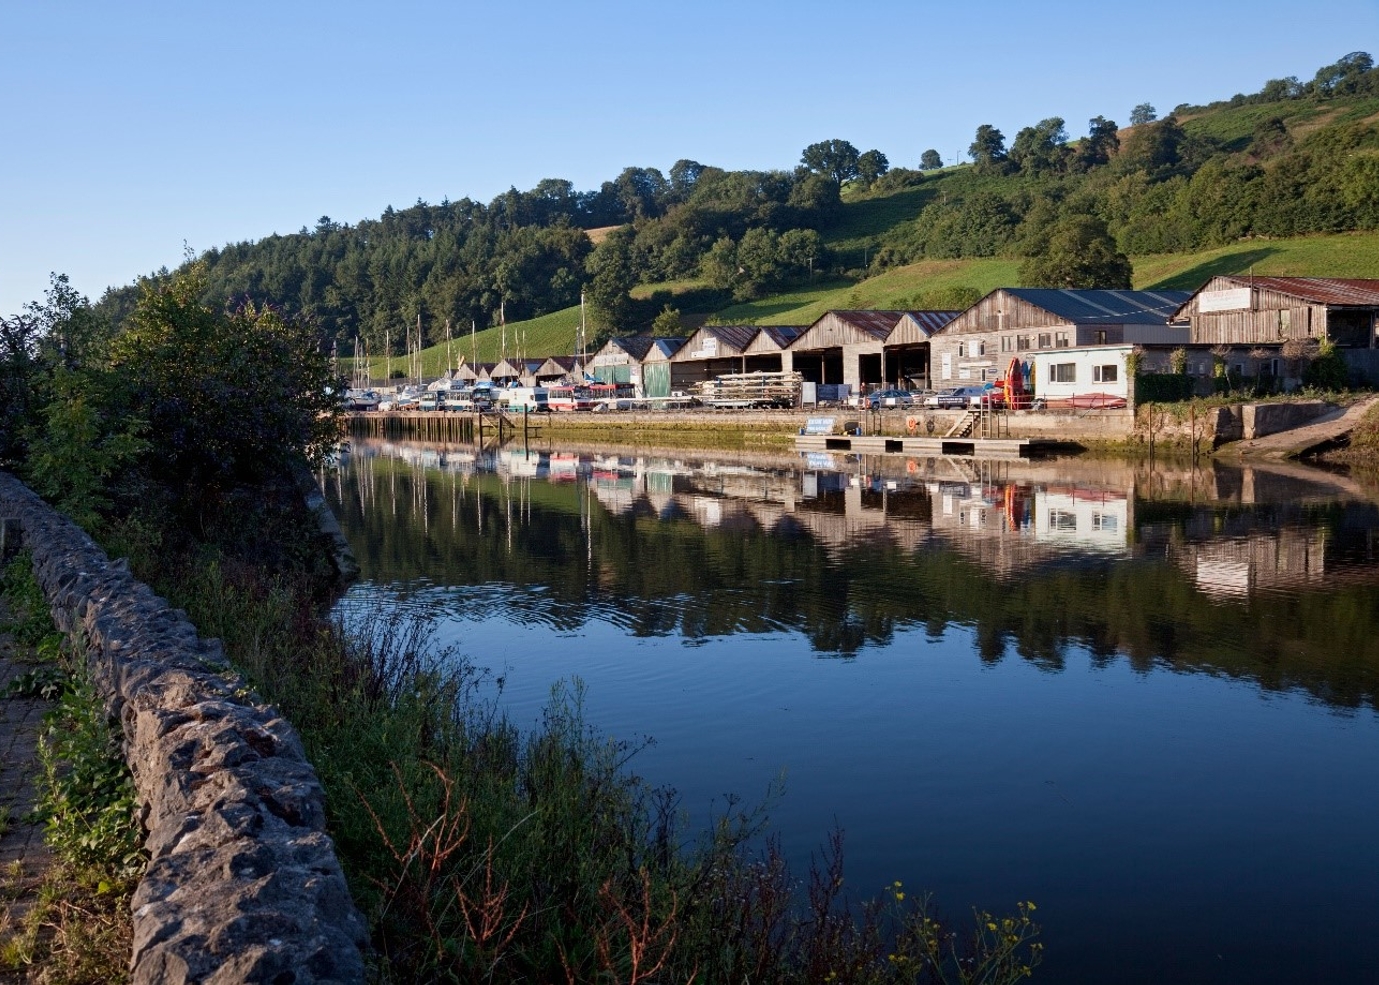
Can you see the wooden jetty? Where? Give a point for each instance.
(441, 425)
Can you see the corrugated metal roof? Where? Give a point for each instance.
(782, 335)
(877, 324)
(931, 321)
(1337, 291)
(1093, 307)
(668, 345)
(737, 336)
(636, 346)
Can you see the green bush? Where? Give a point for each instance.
(1162, 388)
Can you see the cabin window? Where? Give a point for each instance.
(1104, 374)
(1063, 373)
(1106, 522)
(1045, 340)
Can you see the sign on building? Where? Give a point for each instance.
(1232, 300)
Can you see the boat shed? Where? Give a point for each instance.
(506, 371)
(1244, 313)
(530, 369)
(559, 368)
(656, 366)
(712, 351)
(865, 348)
(1017, 322)
(620, 360)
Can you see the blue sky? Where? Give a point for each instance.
(133, 128)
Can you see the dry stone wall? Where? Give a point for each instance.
(243, 884)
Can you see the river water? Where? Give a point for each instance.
(1142, 696)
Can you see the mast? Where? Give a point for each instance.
(583, 340)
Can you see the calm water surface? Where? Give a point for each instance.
(1142, 696)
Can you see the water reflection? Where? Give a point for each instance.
(1254, 573)
(1141, 695)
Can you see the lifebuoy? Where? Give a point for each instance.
(911, 466)
(912, 424)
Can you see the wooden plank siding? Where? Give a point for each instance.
(1280, 309)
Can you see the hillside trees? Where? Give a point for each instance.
(1189, 180)
(1080, 254)
(871, 165)
(612, 275)
(1041, 149)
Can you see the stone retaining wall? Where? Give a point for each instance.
(242, 884)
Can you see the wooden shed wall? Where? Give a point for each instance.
(1001, 312)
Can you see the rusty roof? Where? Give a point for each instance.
(737, 336)
(1340, 292)
(877, 324)
(931, 321)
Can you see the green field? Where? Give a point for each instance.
(1344, 255)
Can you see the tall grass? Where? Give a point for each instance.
(484, 853)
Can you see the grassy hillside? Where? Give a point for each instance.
(1345, 255)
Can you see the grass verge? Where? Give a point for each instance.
(483, 853)
(68, 924)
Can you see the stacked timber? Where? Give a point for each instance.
(751, 390)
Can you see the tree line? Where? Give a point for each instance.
(1074, 209)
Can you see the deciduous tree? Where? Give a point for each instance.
(988, 149)
(1080, 254)
(835, 158)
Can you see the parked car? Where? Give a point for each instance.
(890, 398)
(953, 397)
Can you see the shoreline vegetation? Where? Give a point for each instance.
(477, 851)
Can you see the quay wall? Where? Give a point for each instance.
(242, 884)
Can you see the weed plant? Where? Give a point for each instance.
(77, 929)
(483, 853)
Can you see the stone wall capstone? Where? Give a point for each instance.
(242, 884)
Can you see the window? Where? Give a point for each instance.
(960, 350)
(1063, 373)
(1105, 374)
(1100, 337)
(1022, 342)
(981, 348)
(1062, 520)
(1007, 343)
(1060, 340)
(1107, 522)
(1045, 340)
